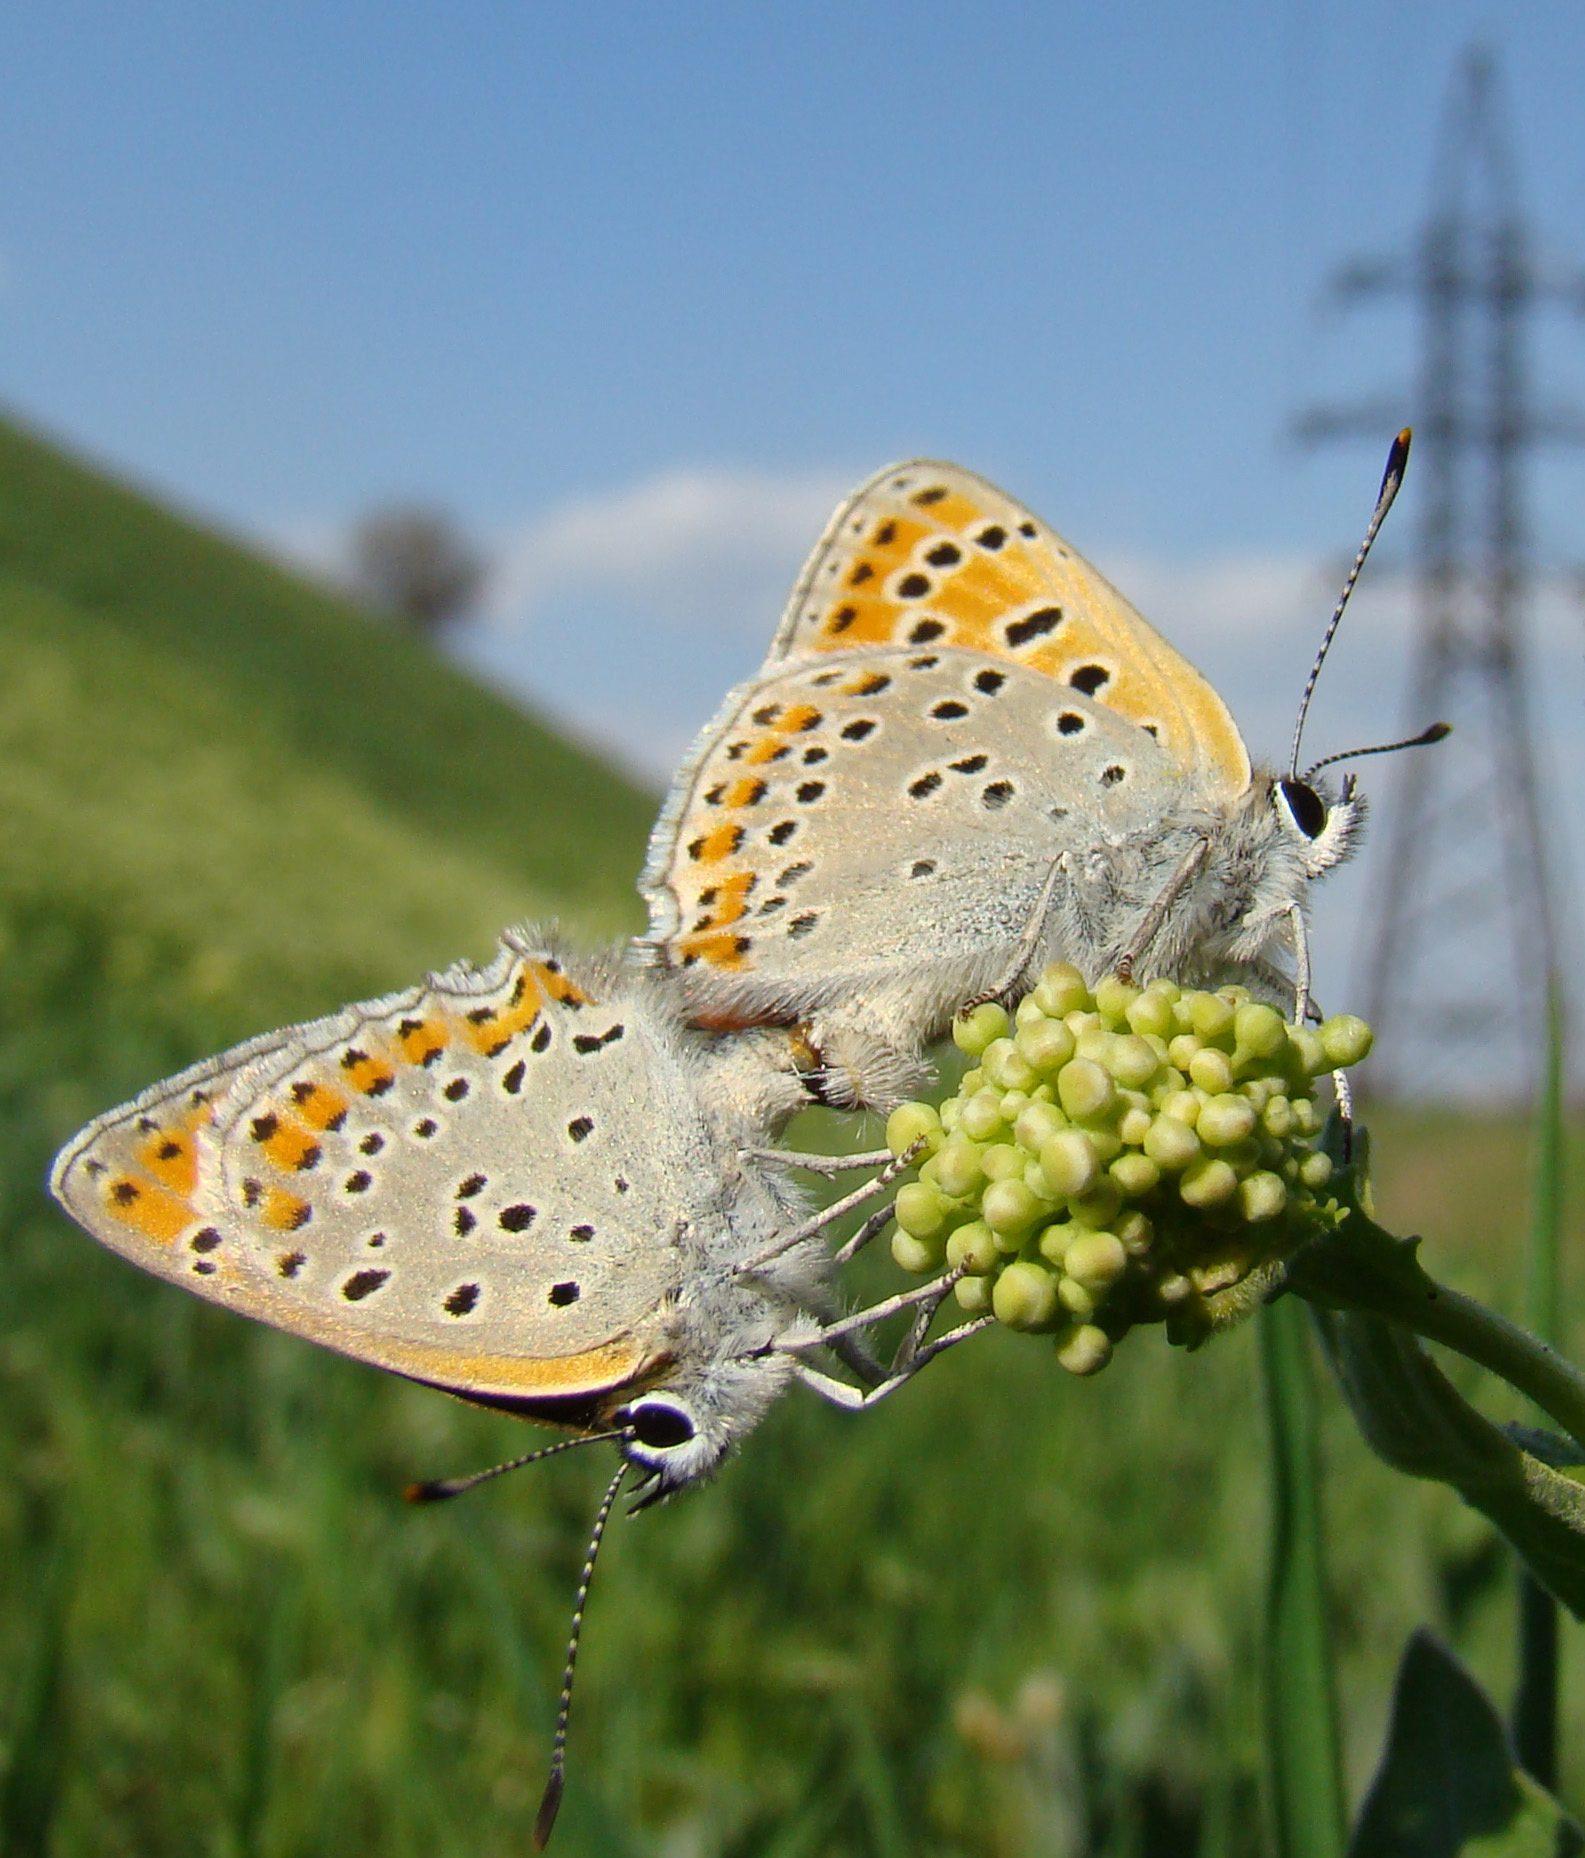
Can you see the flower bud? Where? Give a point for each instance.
(1095, 1259)
(1002, 1161)
(1207, 1183)
(1025, 1296)
(1171, 1144)
(1045, 1044)
(1136, 1174)
(981, 1116)
(1084, 1090)
(1211, 1015)
(1084, 1349)
(915, 1255)
(1211, 1070)
(921, 1211)
(1315, 1170)
(974, 1295)
(957, 1167)
(1037, 1124)
(1345, 1040)
(1260, 1196)
(974, 1248)
(1151, 1013)
(974, 1030)
(1005, 1067)
(1060, 989)
(1258, 1033)
(1009, 1207)
(1069, 1162)
(1223, 1121)
(908, 1122)
(1113, 997)
(1074, 1298)
(1132, 1062)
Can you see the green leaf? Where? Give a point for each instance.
(1447, 1786)
(1412, 1416)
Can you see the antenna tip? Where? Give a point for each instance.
(1437, 732)
(434, 1492)
(1404, 439)
(549, 1806)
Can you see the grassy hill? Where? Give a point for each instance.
(196, 743)
(1007, 1613)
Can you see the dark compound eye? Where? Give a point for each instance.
(1305, 805)
(659, 1424)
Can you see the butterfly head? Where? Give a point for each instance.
(677, 1435)
(1322, 823)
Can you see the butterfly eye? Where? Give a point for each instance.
(658, 1424)
(1305, 807)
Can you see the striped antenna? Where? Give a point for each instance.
(1392, 478)
(440, 1488)
(550, 1800)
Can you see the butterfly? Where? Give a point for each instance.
(966, 754)
(528, 1184)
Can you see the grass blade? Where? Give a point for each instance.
(1304, 1788)
(1535, 1706)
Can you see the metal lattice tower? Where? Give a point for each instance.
(1466, 901)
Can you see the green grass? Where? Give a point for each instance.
(1006, 1613)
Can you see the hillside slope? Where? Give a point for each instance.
(197, 742)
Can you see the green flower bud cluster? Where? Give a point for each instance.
(1122, 1155)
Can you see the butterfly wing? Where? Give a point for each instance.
(893, 816)
(477, 1183)
(929, 555)
(954, 699)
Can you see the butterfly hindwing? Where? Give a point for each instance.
(851, 822)
(475, 1182)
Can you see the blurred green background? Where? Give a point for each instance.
(1005, 1613)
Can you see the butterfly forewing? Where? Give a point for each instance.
(929, 555)
(449, 1182)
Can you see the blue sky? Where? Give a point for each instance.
(636, 291)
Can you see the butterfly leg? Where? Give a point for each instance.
(1028, 943)
(1159, 911)
(855, 1399)
(876, 1223)
(929, 1295)
(1303, 1005)
(829, 1215)
(822, 1164)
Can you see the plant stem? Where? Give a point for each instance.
(1303, 1771)
(1327, 1277)
(1535, 1705)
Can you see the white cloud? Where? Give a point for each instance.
(699, 550)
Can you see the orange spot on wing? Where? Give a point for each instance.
(320, 1104)
(487, 1033)
(560, 988)
(292, 1146)
(892, 541)
(433, 1035)
(720, 843)
(171, 1157)
(148, 1208)
(369, 1075)
(286, 1212)
(719, 948)
(951, 511)
(731, 899)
